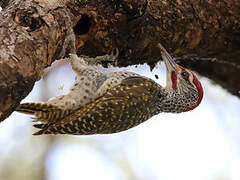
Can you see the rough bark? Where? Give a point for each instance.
(204, 35)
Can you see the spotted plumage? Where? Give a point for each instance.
(115, 101)
(110, 113)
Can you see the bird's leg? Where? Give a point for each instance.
(84, 63)
(78, 64)
(89, 79)
(105, 58)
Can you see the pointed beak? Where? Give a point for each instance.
(168, 60)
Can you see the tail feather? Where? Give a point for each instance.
(43, 111)
(46, 129)
(40, 126)
(43, 131)
(40, 132)
(32, 108)
(43, 128)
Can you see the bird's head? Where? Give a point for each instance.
(182, 83)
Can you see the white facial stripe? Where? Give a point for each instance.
(169, 81)
(190, 76)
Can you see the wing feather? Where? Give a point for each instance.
(120, 108)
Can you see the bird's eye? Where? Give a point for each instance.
(159, 95)
(185, 74)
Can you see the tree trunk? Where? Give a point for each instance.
(203, 35)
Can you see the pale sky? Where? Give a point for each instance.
(200, 145)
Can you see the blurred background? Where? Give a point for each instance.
(203, 144)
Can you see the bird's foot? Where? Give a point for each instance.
(105, 60)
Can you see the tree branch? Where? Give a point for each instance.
(33, 35)
(4, 3)
(36, 32)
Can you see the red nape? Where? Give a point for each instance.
(174, 80)
(200, 93)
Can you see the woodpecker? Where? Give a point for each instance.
(103, 102)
